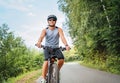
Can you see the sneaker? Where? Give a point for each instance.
(43, 81)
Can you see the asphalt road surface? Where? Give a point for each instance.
(75, 73)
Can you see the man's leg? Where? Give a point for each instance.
(44, 69)
(60, 63)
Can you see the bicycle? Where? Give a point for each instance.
(53, 71)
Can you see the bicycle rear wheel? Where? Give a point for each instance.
(54, 73)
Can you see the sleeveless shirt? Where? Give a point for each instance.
(52, 38)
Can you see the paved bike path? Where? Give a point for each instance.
(75, 73)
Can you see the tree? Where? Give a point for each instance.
(15, 57)
(94, 27)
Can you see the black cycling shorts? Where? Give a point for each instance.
(57, 52)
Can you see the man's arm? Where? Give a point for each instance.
(63, 38)
(41, 38)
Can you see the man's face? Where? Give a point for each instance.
(51, 22)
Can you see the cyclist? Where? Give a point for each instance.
(52, 34)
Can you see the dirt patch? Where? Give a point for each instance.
(27, 77)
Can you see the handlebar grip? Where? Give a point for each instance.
(42, 46)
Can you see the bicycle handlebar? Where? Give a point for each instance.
(61, 48)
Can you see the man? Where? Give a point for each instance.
(52, 34)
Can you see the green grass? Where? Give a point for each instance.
(29, 77)
(34, 78)
(101, 67)
(89, 65)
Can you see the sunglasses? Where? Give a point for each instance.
(51, 20)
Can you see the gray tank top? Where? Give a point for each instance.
(52, 38)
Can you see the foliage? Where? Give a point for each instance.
(15, 57)
(71, 55)
(94, 26)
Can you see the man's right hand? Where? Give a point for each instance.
(38, 45)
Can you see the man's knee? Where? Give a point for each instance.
(45, 63)
(61, 61)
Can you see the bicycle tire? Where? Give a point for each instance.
(54, 73)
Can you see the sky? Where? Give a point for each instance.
(26, 18)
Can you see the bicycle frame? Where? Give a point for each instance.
(51, 63)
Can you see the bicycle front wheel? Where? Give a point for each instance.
(54, 76)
